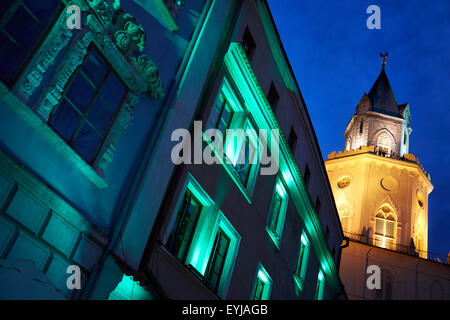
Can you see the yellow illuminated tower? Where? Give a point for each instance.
(381, 192)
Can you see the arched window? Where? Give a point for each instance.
(385, 228)
(361, 127)
(384, 142)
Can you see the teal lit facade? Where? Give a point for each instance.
(86, 176)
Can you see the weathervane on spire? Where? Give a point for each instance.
(384, 56)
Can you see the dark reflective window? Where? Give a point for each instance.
(23, 23)
(89, 105)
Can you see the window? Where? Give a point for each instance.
(222, 113)
(241, 147)
(273, 96)
(203, 238)
(263, 285)
(277, 212)
(217, 259)
(361, 127)
(186, 222)
(302, 262)
(307, 176)
(223, 246)
(384, 142)
(89, 105)
(245, 161)
(292, 140)
(317, 206)
(385, 228)
(320, 286)
(23, 25)
(248, 43)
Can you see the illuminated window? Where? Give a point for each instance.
(385, 228)
(241, 147)
(203, 238)
(186, 222)
(217, 259)
(320, 286)
(245, 163)
(302, 262)
(221, 256)
(89, 105)
(263, 285)
(23, 24)
(221, 114)
(384, 142)
(277, 212)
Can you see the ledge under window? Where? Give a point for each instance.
(52, 137)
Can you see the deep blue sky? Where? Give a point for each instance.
(335, 59)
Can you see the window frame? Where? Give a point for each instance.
(111, 69)
(211, 219)
(263, 276)
(302, 261)
(241, 118)
(280, 190)
(382, 239)
(19, 73)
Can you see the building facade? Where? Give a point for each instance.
(87, 176)
(381, 192)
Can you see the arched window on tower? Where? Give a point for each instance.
(384, 142)
(385, 224)
(361, 127)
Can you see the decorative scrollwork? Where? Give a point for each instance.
(149, 71)
(105, 9)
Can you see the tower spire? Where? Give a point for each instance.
(384, 56)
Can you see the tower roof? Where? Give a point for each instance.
(382, 96)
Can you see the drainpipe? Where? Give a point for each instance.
(365, 274)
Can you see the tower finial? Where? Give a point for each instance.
(384, 56)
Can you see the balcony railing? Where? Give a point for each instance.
(401, 248)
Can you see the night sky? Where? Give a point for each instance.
(335, 59)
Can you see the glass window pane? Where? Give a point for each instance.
(379, 226)
(113, 91)
(11, 53)
(95, 67)
(80, 93)
(87, 142)
(100, 115)
(43, 10)
(29, 31)
(65, 120)
(389, 229)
